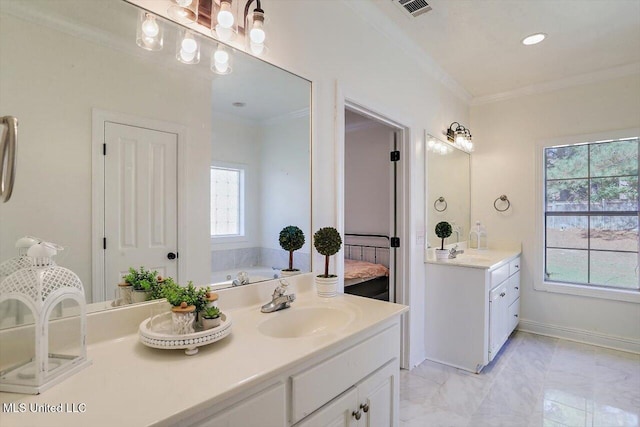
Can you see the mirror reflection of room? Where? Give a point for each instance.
(126, 122)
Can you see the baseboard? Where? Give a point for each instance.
(580, 335)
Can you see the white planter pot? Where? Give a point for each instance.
(139, 296)
(442, 254)
(210, 323)
(289, 273)
(327, 287)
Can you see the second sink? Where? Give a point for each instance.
(297, 322)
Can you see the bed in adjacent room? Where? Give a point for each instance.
(366, 265)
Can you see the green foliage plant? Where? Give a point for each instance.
(210, 312)
(291, 239)
(327, 242)
(141, 280)
(176, 295)
(443, 230)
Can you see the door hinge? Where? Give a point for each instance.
(104, 243)
(395, 156)
(104, 149)
(395, 242)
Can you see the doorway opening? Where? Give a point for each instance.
(373, 185)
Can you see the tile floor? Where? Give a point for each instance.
(534, 381)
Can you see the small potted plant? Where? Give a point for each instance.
(142, 281)
(291, 239)
(443, 230)
(210, 317)
(327, 242)
(183, 312)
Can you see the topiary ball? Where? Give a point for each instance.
(327, 241)
(291, 238)
(443, 229)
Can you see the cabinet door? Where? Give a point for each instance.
(264, 409)
(514, 315)
(377, 397)
(498, 319)
(337, 413)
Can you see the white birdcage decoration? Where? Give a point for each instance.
(22, 260)
(59, 347)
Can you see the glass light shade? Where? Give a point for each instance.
(184, 10)
(224, 25)
(220, 61)
(187, 47)
(256, 33)
(149, 33)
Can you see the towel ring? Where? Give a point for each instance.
(440, 200)
(504, 199)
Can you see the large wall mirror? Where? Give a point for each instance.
(201, 172)
(448, 190)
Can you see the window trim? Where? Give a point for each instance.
(231, 238)
(539, 282)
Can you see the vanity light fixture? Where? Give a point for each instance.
(188, 48)
(224, 23)
(221, 60)
(460, 136)
(533, 39)
(184, 10)
(148, 32)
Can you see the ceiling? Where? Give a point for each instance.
(478, 42)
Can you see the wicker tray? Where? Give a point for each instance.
(162, 337)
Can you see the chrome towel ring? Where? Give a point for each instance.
(502, 198)
(440, 200)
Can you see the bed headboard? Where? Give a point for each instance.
(374, 248)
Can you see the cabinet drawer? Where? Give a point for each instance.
(514, 266)
(514, 315)
(313, 388)
(499, 275)
(513, 287)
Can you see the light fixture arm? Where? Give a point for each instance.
(248, 5)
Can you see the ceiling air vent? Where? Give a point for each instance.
(413, 7)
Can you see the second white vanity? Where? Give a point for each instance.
(472, 306)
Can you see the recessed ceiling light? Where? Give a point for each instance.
(239, 104)
(533, 39)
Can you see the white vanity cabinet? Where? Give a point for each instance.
(356, 384)
(471, 310)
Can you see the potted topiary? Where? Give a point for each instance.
(142, 281)
(210, 317)
(443, 230)
(327, 242)
(291, 239)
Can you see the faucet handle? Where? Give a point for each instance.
(284, 283)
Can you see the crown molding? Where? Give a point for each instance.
(578, 80)
(378, 20)
(291, 115)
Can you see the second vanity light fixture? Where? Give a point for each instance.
(460, 136)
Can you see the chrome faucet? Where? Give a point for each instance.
(454, 252)
(241, 279)
(279, 300)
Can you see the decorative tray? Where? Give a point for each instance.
(160, 335)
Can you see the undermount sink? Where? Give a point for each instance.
(298, 322)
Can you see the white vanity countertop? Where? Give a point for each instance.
(476, 258)
(129, 384)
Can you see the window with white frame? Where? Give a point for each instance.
(591, 214)
(227, 202)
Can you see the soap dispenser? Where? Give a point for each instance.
(478, 237)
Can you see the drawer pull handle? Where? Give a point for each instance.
(357, 414)
(517, 266)
(365, 408)
(515, 315)
(517, 288)
(502, 294)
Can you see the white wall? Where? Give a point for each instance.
(504, 162)
(367, 182)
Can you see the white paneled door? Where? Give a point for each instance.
(140, 217)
